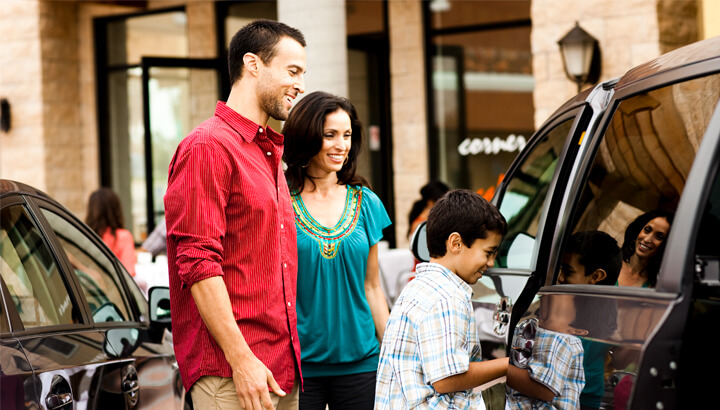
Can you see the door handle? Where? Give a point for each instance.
(501, 318)
(130, 386)
(58, 400)
(60, 394)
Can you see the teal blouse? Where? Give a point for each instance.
(335, 326)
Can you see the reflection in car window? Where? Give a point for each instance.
(645, 155)
(30, 273)
(525, 195)
(95, 271)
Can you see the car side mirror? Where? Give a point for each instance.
(121, 342)
(418, 243)
(159, 302)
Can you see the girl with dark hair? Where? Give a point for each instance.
(341, 307)
(643, 247)
(105, 217)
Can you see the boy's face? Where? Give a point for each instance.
(573, 273)
(476, 259)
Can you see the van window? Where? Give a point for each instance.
(525, 196)
(96, 273)
(33, 280)
(640, 168)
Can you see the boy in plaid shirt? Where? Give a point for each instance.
(430, 356)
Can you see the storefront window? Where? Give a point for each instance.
(482, 84)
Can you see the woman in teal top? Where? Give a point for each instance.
(341, 307)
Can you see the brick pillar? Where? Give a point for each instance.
(409, 119)
(322, 22)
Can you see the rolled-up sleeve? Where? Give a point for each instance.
(195, 204)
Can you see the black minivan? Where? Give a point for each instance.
(648, 141)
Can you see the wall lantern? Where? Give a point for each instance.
(581, 56)
(4, 115)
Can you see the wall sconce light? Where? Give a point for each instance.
(581, 56)
(4, 115)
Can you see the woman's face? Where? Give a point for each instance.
(652, 235)
(337, 140)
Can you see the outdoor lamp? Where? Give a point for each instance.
(581, 56)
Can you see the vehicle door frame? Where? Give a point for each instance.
(586, 109)
(675, 278)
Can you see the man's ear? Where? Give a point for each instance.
(252, 63)
(597, 276)
(454, 243)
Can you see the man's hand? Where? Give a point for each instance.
(252, 379)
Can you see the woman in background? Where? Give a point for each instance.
(341, 307)
(643, 248)
(105, 217)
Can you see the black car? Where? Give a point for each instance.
(75, 330)
(647, 141)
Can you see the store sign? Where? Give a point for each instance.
(473, 146)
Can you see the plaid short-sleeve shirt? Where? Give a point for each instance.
(430, 335)
(557, 363)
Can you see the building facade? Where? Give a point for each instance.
(101, 92)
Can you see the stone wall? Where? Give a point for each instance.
(409, 115)
(22, 149)
(630, 32)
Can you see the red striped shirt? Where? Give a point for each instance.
(228, 213)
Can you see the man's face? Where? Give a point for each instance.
(282, 79)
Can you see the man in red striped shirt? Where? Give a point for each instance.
(231, 240)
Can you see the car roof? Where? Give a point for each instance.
(691, 54)
(8, 187)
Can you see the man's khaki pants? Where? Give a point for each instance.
(218, 393)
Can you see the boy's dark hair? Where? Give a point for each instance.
(631, 234)
(597, 250)
(259, 37)
(303, 133)
(466, 213)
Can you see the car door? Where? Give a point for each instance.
(138, 372)
(532, 187)
(40, 302)
(656, 148)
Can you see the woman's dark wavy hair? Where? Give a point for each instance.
(631, 234)
(303, 132)
(104, 211)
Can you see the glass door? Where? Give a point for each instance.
(177, 95)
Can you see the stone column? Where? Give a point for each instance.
(22, 149)
(408, 101)
(322, 22)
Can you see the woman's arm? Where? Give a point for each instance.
(374, 294)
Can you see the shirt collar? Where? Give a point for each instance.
(427, 268)
(247, 129)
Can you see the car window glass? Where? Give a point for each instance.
(525, 196)
(30, 273)
(640, 169)
(96, 273)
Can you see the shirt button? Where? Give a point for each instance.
(289, 304)
(260, 129)
(269, 153)
(281, 226)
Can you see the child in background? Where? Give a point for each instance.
(105, 217)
